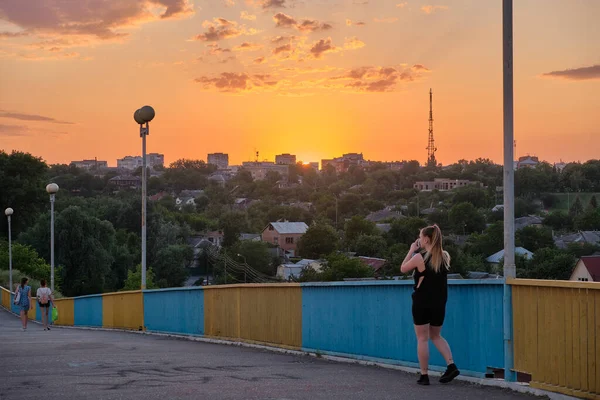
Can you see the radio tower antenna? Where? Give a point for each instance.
(431, 149)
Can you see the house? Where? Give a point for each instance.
(158, 196)
(252, 237)
(587, 269)
(126, 181)
(496, 258)
(527, 162)
(581, 237)
(180, 202)
(241, 203)
(289, 271)
(498, 207)
(284, 235)
(375, 263)
(530, 220)
(218, 178)
(195, 193)
(215, 237)
(443, 184)
(383, 228)
(386, 214)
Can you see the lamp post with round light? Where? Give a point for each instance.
(52, 189)
(143, 116)
(9, 212)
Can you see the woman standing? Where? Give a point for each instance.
(430, 264)
(24, 303)
(45, 299)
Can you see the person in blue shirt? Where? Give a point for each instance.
(24, 300)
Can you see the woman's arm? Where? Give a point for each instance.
(412, 260)
(29, 295)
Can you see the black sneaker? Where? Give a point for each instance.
(423, 380)
(451, 373)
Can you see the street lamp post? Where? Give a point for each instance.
(9, 212)
(143, 116)
(509, 184)
(245, 265)
(52, 189)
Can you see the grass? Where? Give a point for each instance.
(564, 200)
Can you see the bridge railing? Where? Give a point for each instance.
(556, 323)
(557, 335)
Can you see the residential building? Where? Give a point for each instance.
(285, 159)
(386, 214)
(443, 184)
(90, 164)
(581, 237)
(587, 269)
(221, 160)
(126, 181)
(259, 169)
(530, 220)
(341, 164)
(180, 202)
(291, 271)
(215, 237)
(284, 235)
(527, 162)
(560, 166)
(134, 162)
(375, 263)
(497, 258)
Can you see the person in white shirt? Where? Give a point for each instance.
(45, 299)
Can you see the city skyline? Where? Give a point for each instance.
(308, 78)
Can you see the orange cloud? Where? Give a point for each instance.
(576, 74)
(219, 29)
(401, 5)
(389, 20)
(353, 43)
(247, 46)
(349, 22)
(247, 16)
(432, 9)
(232, 82)
(306, 25)
(321, 47)
(266, 4)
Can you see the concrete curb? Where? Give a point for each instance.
(499, 383)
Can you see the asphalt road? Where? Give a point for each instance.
(83, 364)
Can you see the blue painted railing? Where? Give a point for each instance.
(88, 310)
(179, 310)
(372, 320)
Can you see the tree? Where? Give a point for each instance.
(255, 254)
(488, 242)
(338, 267)
(405, 230)
(23, 182)
(24, 259)
(134, 279)
(464, 217)
(589, 220)
(370, 246)
(558, 220)
(84, 249)
(471, 194)
(549, 264)
(576, 208)
(593, 203)
(357, 226)
(533, 238)
(171, 265)
(319, 240)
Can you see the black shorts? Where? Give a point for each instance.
(44, 305)
(424, 314)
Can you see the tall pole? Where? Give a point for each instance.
(52, 197)
(143, 133)
(10, 280)
(509, 184)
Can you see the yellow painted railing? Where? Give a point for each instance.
(123, 310)
(256, 312)
(66, 312)
(5, 298)
(556, 327)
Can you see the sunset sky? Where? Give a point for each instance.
(316, 78)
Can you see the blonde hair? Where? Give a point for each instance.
(436, 255)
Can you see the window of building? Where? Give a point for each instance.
(271, 227)
(275, 240)
(289, 240)
(582, 279)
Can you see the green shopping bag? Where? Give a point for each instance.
(54, 314)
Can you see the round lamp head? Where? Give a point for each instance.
(137, 117)
(8, 212)
(52, 188)
(147, 113)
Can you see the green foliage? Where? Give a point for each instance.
(172, 264)
(593, 203)
(319, 240)
(370, 246)
(559, 220)
(357, 226)
(579, 250)
(488, 242)
(337, 268)
(589, 220)
(405, 230)
(533, 238)
(256, 254)
(464, 218)
(548, 264)
(23, 188)
(134, 279)
(25, 259)
(471, 194)
(576, 208)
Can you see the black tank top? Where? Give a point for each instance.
(434, 288)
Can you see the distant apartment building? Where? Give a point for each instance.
(259, 169)
(443, 184)
(221, 160)
(133, 162)
(90, 164)
(285, 159)
(527, 162)
(341, 164)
